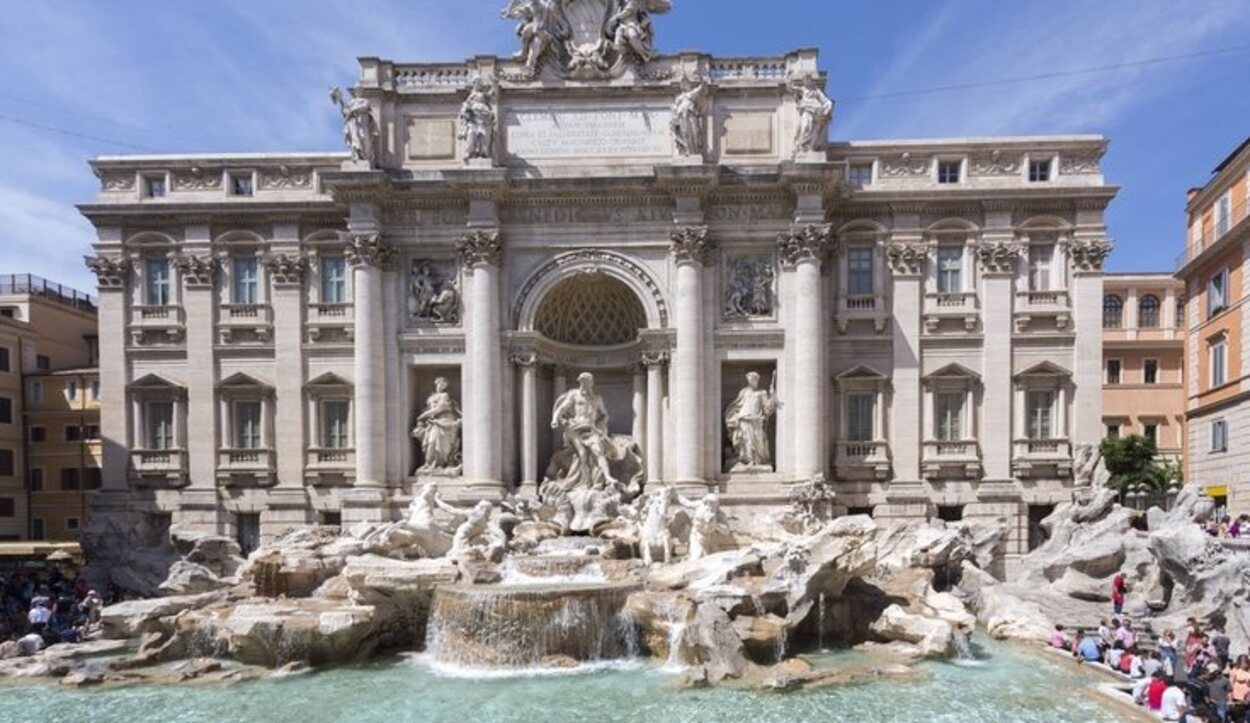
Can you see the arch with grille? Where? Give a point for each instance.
(635, 294)
(590, 310)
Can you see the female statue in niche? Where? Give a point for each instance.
(438, 431)
(746, 419)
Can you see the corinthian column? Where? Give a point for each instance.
(481, 253)
(691, 251)
(369, 256)
(803, 250)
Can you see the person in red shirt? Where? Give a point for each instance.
(1119, 586)
(1154, 693)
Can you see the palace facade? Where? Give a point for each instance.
(925, 314)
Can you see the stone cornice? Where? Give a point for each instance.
(691, 245)
(481, 247)
(805, 242)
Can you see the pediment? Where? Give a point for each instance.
(953, 370)
(1044, 369)
(239, 380)
(329, 379)
(863, 371)
(155, 381)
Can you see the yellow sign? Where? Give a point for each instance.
(1220, 491)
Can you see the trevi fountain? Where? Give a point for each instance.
(681, 553)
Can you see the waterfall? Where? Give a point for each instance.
(523, 626)
(676, 633)
(820, 624)
(779, 646)
(963, 649)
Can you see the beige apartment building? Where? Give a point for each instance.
(63, 450)
(1143, 359)
(45, 328)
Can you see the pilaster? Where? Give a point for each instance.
(908, 258)
(198, 270)
(999, 256)
(286, 269)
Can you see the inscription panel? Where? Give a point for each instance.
(590, 134)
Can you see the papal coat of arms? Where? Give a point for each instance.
(586, 39)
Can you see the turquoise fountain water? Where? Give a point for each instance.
(1007, 685)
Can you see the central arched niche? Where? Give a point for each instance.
(591, 309)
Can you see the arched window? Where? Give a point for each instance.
(1148, 312)
(1112, 312)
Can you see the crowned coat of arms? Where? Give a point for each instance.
(585, 39)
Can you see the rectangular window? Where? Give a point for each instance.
(1150, 371)
(95, 391)
(6, 365)
(1219, 363)
(160, 425)
(247, 425)
(859, 271)
(36, 434)
(1113, 430)
(36, 479)
(1040, 411)
(43, 362)
(154, 186)
(91, 432)
(92, 478)
(1113, 371)
(36, 391)
(240, 184)
(246, 280)
(6, 463)
(334, 419)
(333, 280)
(1217, 293)
(1223, 215)
(72, 433)
(36, 528)
(6, 410)
(1041, 259)
(860, 174)
(950, 416)
(1219, 436)
(949, 171)
(70, 481)
(950, 269)
(156, 282)
(71, 524)
(71, 391)
(860, 409)
(1039, 171)
(1151, 432)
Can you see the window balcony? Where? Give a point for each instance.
(246, 467)
(952, 460)
(245, 322)
(162, 324)
(863, 307)
(1032, 305)
(1040, 457)
(330, 322)
(863, 459)
(325, 467)
(158, 468)
(958, 305)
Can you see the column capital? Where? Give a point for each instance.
(367, 249)
(908, 258)
(691, 245)
(653, 358)
(526, 359)
(481, 247)
(1088, 255)
(805, 242)
(999, 257)
(197, 271)
(110, 273)
(285, 269)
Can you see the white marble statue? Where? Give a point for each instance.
(478, 120)
(709, 529)
(630, 29)
(746, 419)
(690, 120)
(434, 538)
(815, 113)
(664, 523)
(478, 537)
(583, 420)
(541, 26)
(438, 431)
(360, 131)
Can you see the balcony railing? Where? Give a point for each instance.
(158, 467)
(860, 303)
(157, 316)
(336, 313)
(1207, 238)
(1047, 448)
(1043, 299)
(335, 460)
(955, 450)
(246, 314)
(245, 459)
(29, 284)
(861, 451)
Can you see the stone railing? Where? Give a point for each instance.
(1048, 448)
(158, 468)
(853, 451)
(427, 76)
(335, 313)
(859, 303)
(330, 322)
(248, 314)
(245, 467)
(955, 302)
(157, 316)
(323, 458)
(959, 450)
(729, 69)
(1043, 299)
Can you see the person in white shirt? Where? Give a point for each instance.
(1175, 705)
(1113, 656)
(1105, 637)
(39, 615)
(1137, 668)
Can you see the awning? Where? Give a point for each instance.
(1217, 491)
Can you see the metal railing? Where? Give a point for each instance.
(1217, 232)
(50, 290)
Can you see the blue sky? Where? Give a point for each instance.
(251, 75)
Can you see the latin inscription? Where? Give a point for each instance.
(588, 134)
(551, 215)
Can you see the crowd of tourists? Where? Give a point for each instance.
(1190, 677)
(46, 607)
(1229, 528)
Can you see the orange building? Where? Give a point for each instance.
(1213, 268)
(1143, 359)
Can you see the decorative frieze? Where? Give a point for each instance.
(284, 177)
(999, 257)
(691, 245)
(197, 179)
(117, 182)
(994, 163)
(1079, 163)
(285, 269)
(1088, 255)
(904, 166)
(908, 259)
(367, 249)
(197, 271)
(481, 247)
(805, 242)
(110, 273)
